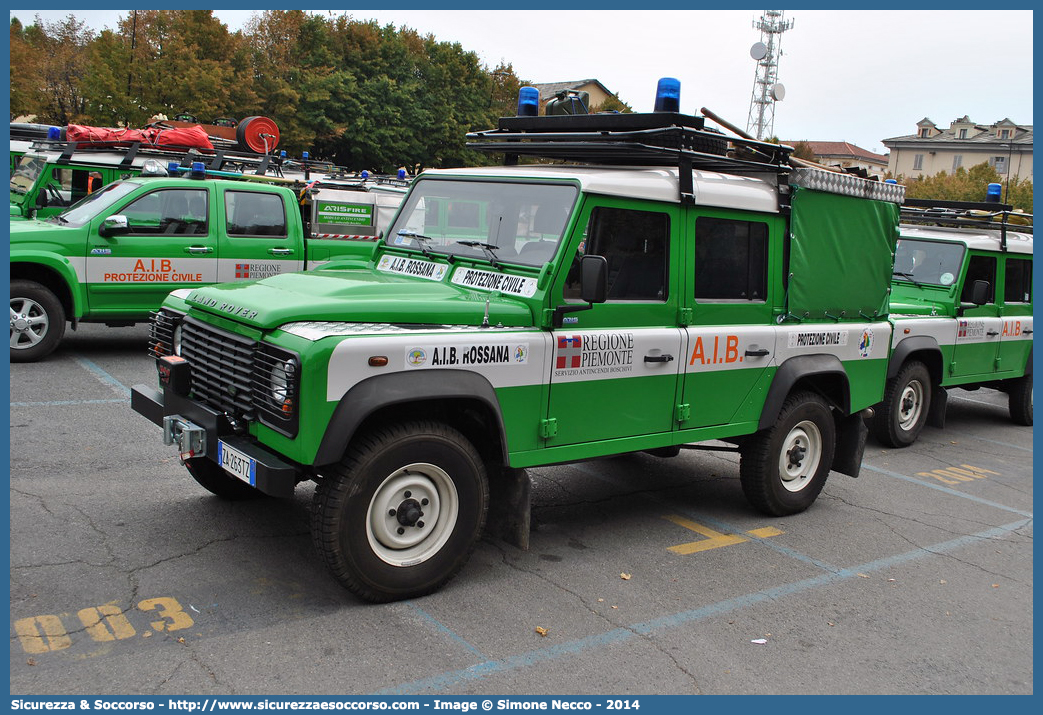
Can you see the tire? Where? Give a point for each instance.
(771, 481)
(37, 321)
(907, 400)
(1020, 401)
(217, 481)
(434, 482)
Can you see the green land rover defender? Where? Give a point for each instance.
(657, 285)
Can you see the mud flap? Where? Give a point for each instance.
(851, 444)
(510, 508)
(939, 401)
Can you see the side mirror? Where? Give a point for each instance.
(593, 279)
(113, 225)
(980, 292)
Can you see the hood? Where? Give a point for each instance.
(355, 295)
(45, 235)
(932, 300)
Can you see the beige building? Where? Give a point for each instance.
(931, 150)
(846, 156)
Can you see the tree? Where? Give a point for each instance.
(803, 150)
(968, 185)
(50, 59)
(613, 104)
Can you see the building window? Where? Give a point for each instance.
(963, 134)
(999, 163)
(1004, 134)
(957, 162)
(925, 132)
(918, 162)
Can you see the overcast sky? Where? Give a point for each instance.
(856, 76)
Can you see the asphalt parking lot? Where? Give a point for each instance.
(648, 575)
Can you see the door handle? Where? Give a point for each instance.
(1027, 332)
(993, 332)
(199, 249)
(281, 251)
(757, 353)
(658, 358)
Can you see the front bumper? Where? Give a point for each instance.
(274, 475)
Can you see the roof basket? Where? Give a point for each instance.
(967, 214)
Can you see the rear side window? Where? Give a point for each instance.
(251, 213)
(731, 260)
(1018, 281)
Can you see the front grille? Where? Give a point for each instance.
(222, 367)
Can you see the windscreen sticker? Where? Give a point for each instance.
(412, 267)
(817, 338)
(473, 354)
(502, 282)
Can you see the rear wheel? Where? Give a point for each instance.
(217, 481)
(783, 468)
(37, 321)
(1020, 401)
(903, 412)
(402, 512)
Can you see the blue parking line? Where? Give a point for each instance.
(64, 403)
(990, 441)
(442, 628)
(102, 375)
(618, 635)
(947, 490)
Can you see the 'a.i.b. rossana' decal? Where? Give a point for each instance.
(412, 267)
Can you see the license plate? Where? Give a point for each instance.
(236, 463)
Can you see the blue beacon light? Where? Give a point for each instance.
(198, 170)
(668, 95)
(992, 193)
(54, 133)
(528, 102)
(172, 167)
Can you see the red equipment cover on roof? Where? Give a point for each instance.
(103, 137)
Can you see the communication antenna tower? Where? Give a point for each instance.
(766, 88)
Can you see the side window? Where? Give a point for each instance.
(169, 212)
(1018, 281)
(731, 260)
(980, 268)
(252, 213)
(635, 244)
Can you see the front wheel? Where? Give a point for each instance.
(37, 321)
(907, 400)
(399, 516)
(1020, 401)
(783, 468)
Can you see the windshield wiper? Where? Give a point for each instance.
(488, 248)
(909, 277)
(421, 240)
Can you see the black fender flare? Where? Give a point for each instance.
(792, 371)
(374, 393)
(907, 347)
(1028, 365)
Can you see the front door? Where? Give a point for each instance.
(614, 368)
(170, 243)
(978, 330)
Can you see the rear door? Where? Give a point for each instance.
(1016, 332)
(260, 234)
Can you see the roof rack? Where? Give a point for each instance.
(661, 139)
(969, 214)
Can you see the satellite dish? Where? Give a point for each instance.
(778, 92)
(759, 51)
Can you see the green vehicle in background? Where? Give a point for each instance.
(641, 298)
(115, 255)
(961, 305)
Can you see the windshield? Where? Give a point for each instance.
(933, 262)
(513, 222)
(26, 173)
(93, 204)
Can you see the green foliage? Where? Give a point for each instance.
(613, 104)
(349, 91)
(969, 185)
(803, 150)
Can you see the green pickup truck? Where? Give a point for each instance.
(642, 298)
(115, 255)
(961, 306)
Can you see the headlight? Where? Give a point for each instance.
(177, 340)
(283, 380)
